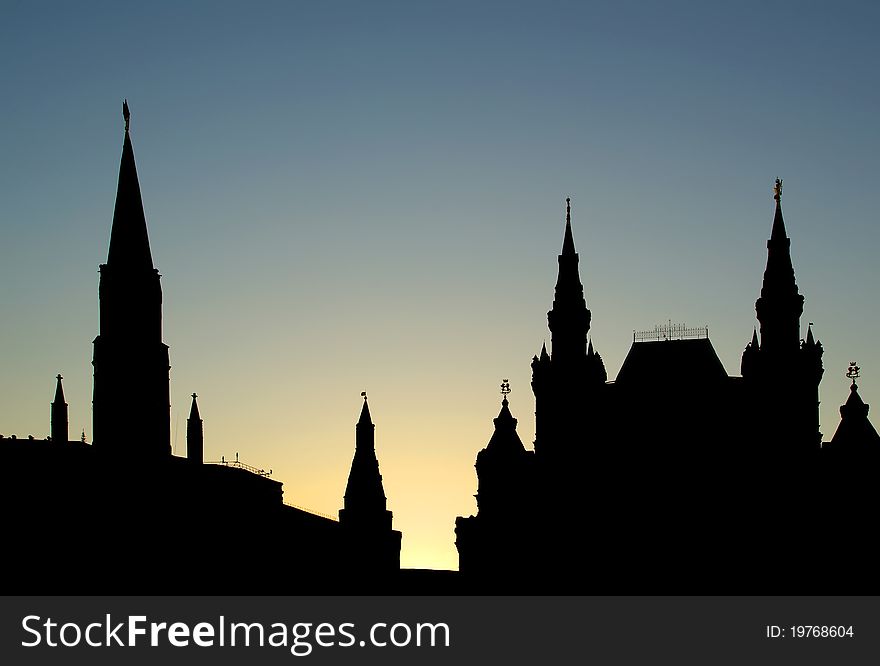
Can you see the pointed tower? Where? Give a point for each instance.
(364, 502)
(195, 438)
(569, 319)
(780, 306)
(568, 379)
(59, 421)
(503, 487)
(131, 410)
(783, 371)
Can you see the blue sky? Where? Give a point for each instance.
(370, 196)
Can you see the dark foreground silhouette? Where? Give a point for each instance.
(675, 478)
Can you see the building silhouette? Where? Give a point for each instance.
(675, 477)
(122, 514)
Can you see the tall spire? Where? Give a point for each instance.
(569, 320)
(58, 424)
(129, 243)
(130, 405)
(780, 306)
(568, 239)
(195, 436)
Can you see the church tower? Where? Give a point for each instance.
(131, 406)
(783, 371)
(59, 422)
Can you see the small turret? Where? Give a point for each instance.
(195, 436)
(59, 424)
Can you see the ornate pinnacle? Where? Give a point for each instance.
(777, 190)
(505, 388)
(126, 114)
(853, 372)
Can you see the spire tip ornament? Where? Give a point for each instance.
(126, 114)
(777, 190)
(853, 372)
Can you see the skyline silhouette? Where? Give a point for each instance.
(673, 452)
(378, 209)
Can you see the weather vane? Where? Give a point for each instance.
(777, 190)
(505, 388)
(853, 372)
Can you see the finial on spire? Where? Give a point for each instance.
(126, 114)
(853, 373)
(568, 210)
(777, 190)
(194, 396)
(505, 390)
(59, 377)
(364, 395)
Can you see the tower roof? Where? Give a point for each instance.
(194, 410)
(365, 412)
(59, 390)
(569, 290)
(855, 431)
(505, 439)
(129, 242)
(810, 342)
(568, 238)
(779, 281)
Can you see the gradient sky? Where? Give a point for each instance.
(370, 196)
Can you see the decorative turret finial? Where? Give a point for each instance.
(126, 114)
(777, 190)
(505, 390)
(194, 396)
(853, 373)
(364, 395)
(568, 210)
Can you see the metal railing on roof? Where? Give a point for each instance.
(670, 331)
(237, 463)
(312, 511)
